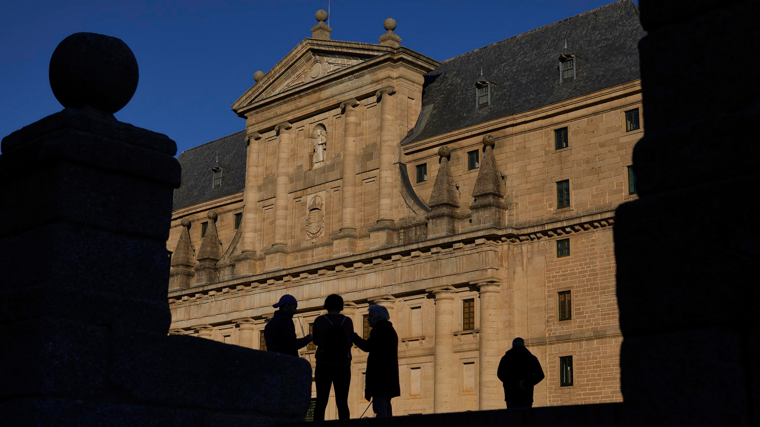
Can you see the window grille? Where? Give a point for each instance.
(262, 341)
(483, 95)
(631, 181)
(567, 69)
(566, 371)
(365, 327)
(632, 120)
(310, 412)
(204, 227)
(473, 160)
(565, 305)
(468, 314)
(563, 194)
(422, 172)
(560, 138)
(311, 346)
(563, 248)
(238, 219)
(217, 176)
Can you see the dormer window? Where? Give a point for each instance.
(483, 94)
(217, 176)
(566, 68)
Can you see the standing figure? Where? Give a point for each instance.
(519, 370)
(382, 362)
(280, 332)
(332, 335)
(320, 145)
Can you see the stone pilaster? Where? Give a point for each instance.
(383, 233)
(209, 254)
(276, 255)
(246, 331)
(345, 241)
(181, 274)
(490, 395)
(245, 262)
(488, 209)
(205, 331)
(445, 384)
(444, 201)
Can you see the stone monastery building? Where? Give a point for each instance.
(474, 198)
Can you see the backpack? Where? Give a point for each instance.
(335, 347)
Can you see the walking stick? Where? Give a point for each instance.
(365, 411)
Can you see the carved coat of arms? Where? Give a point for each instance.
(315, 219)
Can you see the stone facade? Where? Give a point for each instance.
(465, 259)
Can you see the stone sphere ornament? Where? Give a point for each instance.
(95, 70)
(389, 24)
(258, 75)
(488, 140)
(444, 151)
(212, 215)
(185, 222)
(321, 15)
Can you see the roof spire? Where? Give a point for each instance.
(182, 262)
(209, 253)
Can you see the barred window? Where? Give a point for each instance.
(567, 69)
(311, 346)
(563, 194)
(473, 160)
(483, 94)
(566, 371)
(563, 248)
(262, 341)
(365, 327)
(422, 172)
(560, 138)
(310, 411)
(565, 305)
(204, 227)
(468, 314)
(631, 181)
(238, 219)
(632, 120)
(217, 176)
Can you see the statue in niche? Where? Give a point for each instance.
(315, 220)
(320, 146)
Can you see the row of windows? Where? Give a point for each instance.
(473, 162)
(238, 220)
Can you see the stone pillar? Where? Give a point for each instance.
(245, 262)
(446, 370)
(490, 393)
(181, 274)
(345, 242)
(488, 208)
(383, 233)
(444, 200)
(246, 330)
(276, 255)
(209, 253)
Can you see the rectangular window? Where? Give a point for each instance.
(238, 219)
(560, 138)
(310, 411)
(631, 181)
(468, 314)
(422, 172)
(563, 194)
(262, 341)
(567, 69)
(415, 315)
(365, 327)
(468, 374)
(217, 176)
(311, 346)
(632, 120)
(565, 305)
(483, 94)
(227, 339)
(415, 381)
(566, 371)
(563, 248)
(473, 160)
(204, 227)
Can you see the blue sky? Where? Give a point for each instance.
(197, 57)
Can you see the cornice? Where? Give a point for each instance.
(215, 203)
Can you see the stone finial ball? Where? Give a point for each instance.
(389, 24)
(185, 222)
(258, 75)
(212, 215)
(488, 140)
(321, 15)
(444, 151)
(95, 70)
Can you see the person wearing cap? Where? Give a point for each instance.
(280, 332)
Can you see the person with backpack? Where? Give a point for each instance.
(332, 335)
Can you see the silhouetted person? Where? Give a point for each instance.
(332, 335)
(382, 362)
(280, 333)
(519, 370)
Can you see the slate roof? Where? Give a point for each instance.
(525, 69)
(197, 176)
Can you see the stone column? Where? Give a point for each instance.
(445, 386)
(383, 232)
(276, 254)
(246, 329)
(205, 331)
(345, 242)
(489, 393)
(245, 263)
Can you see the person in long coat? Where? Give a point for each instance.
(520, 371)
(382, 383)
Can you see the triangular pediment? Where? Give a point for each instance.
(310, 61)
